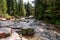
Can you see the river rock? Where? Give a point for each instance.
(5, 32)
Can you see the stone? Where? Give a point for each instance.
(3, 19)
(5, 32)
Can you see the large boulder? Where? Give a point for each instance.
(5, 32)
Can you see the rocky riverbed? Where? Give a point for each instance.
(42, 30)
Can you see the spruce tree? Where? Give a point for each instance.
(12, 7)
(21, 8)
(39, 9)
(3, 8)
(29, 9)
(57, 12)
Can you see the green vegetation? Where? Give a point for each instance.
(21, 8)
(29, 9)
(28, 31)
(3, 8)
(48, 10)
(12, 7)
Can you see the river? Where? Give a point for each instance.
(42, 30)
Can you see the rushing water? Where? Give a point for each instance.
(41, 29)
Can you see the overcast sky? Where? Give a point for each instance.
(25, 1)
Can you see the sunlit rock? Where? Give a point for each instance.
(42, 30)
(5, 32)
(13, 36)
(23, 18)
(43, 24)
(2, 18)
(31, 16)
(24, 38)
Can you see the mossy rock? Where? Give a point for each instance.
(24, 31)
(28, 31)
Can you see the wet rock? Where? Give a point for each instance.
(28, 21)
(18, 30)
(45, 39)
(5, 32)
(57, 37)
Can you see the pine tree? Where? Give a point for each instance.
(12, 7)
(39, 9)
(45, 9)
(3, 8)
(29, 9)
(57, 12)
(0, 9)
(21, 8)
(50, 15)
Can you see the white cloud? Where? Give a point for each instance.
(25, 1)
